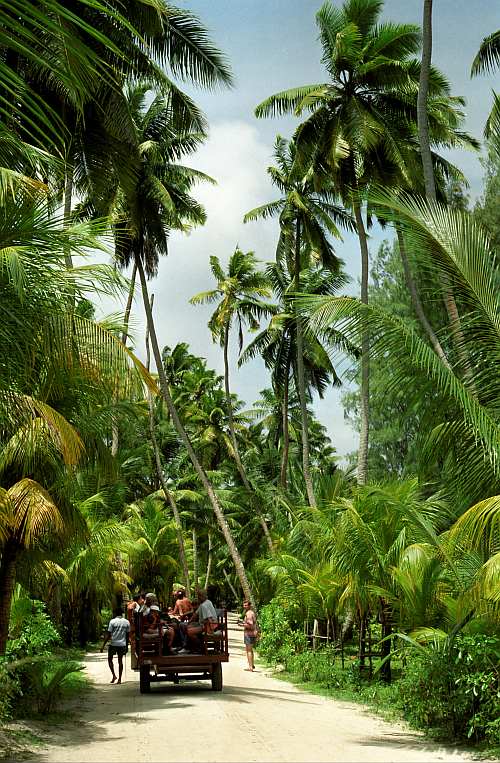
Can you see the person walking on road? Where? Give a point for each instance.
(250, 633)
(118, 631)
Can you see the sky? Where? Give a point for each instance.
(272, 45)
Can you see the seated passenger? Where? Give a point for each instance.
(204, 620)
(150, 612)
(183, 608)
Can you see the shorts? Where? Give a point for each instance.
(121, 651)
(249, 640)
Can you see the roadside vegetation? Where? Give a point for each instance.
(118, 475)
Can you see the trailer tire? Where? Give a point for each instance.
(216, 676)
(144, 680)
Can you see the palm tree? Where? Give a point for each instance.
(351, 135)
(277, 345)
(160, 202)
(307, 218)
(467, 437)
(152, 560)
(161, 476)
(241, 293)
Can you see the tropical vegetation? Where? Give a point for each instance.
(118, 474)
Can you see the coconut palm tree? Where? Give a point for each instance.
(352, 134)
(277, 345)
(306, 219)
(161, 202)
(467, 437)
(153, 565)
(241, 292)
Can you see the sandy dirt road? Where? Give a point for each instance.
(255, 718)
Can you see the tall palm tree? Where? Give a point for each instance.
(467, 437)
(161, 476)
(277, 345)
(160, 201)
(351, 135)
(307, 218)
(241, 292)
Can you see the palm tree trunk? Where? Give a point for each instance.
(161, 476)
(195, 560)
(385, 647)
(415, 300)
(231, 586)
(232, 432)
(362, 473)
(217, 509)
(430, 185)
(423, 90)
(7, 582)
(115, 441)
(128, 307)
(209, 560)
(286, 433)
(302, 381)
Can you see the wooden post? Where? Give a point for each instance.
(315, 633)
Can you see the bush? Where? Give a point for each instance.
(320, 667)
(278, 641)
(10, 690)
(34, 634)
(33, 678)
(44, 682)
(456, 688)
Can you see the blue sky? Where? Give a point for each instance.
(272, 45)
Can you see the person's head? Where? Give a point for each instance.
(180, 594)
(138, 598)
(202, 595)
(150, 599)
(118, 612)
(246, 605)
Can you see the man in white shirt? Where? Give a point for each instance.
(204, 620)
(118, 631)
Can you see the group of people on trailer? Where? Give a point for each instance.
(180, 627)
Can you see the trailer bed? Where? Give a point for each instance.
(155, 667)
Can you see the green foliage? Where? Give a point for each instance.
(456, 689)
(320, 667)
(43, 684)
(10, 690)
(278, 641)
(34, 634)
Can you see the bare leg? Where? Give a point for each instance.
(120, 668)
(193, 633)
(250, 660)
(112, 668)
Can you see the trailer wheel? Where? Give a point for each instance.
(144, 680)
(217, 676)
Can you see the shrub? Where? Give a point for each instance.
(44, 682)
(456, 688)
(34, 634)
(320, 667)
(278, 641)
